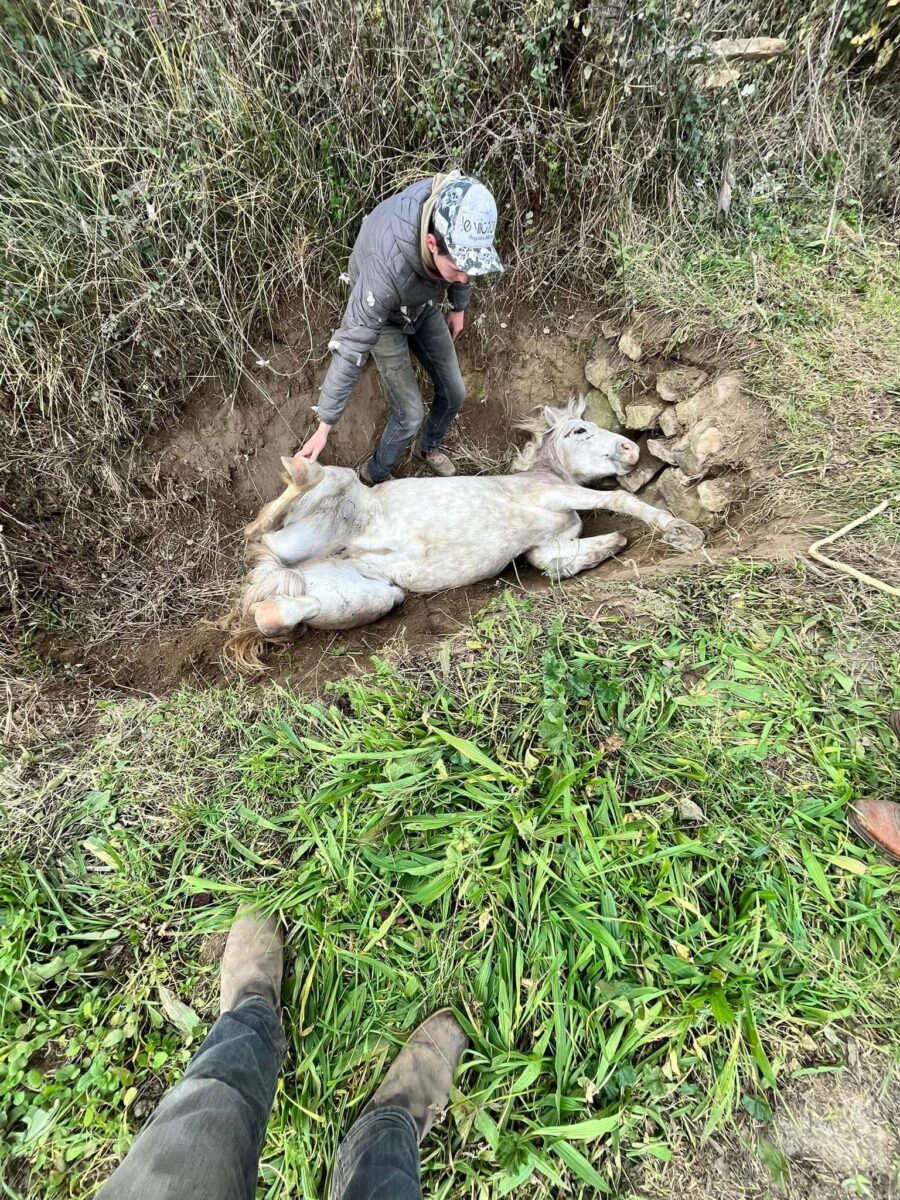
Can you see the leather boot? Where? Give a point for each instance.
(252, 964)
(421, 1075)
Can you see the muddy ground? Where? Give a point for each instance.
(153, 599)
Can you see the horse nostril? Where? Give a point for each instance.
(628, 451)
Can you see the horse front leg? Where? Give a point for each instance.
(300, 476)
(678, 534)
(564, 557)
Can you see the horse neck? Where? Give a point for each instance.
(549, 457)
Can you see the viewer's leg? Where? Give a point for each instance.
(205, 1138)
(379, 1157)
(433, 347)
(404, 399)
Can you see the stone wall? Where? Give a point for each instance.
(695, 426)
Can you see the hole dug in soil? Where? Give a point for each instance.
(702, 438)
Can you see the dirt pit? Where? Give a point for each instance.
(176, 570)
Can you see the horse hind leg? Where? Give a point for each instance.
(300, 476)
(347, 597)
(280, 614)
(333, 596)
(275, 597)
(564, 557)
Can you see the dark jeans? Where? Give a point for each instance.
(204, 1140)
(431, 343)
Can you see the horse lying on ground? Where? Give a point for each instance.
(333, 553)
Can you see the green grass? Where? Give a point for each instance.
(498, 828)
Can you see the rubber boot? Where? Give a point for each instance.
(253, 961)
(421, 1075)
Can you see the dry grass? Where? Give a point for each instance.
(172, 170)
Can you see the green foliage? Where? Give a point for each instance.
(808, 299)
(501, 833)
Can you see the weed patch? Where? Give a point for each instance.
(622, 858)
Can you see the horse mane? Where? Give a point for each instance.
(545, 428)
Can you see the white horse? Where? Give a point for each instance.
(333, 553)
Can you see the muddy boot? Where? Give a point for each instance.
(421, 1075)
(878, 824)
(439, 463)
(253, 961)
(366, 478)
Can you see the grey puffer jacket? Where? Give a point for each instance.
(391, 284)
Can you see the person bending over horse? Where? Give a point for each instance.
(428, 241)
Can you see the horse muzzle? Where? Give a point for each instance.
(628, 453)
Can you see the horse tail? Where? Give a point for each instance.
(269, 577)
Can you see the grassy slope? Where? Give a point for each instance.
(500, 828)
(502, 831)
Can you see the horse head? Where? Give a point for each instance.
(569, 445)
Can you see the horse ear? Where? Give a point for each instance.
(578, 405)
(551, 416)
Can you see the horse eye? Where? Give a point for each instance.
(580, 429)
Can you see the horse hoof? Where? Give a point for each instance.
(297, 469)
(683, 536)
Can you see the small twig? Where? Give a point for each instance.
(837, 566)
(11, 575)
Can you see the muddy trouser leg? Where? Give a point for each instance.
(391, 354)
(433, 347)
(379, 1158)
(205, 1138)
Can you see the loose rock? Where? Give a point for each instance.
(720, 394)
(600, 370)
(669, 423)
(756, 49)
(717, 495)
(647, 466)
(693, 452)
(599, 408)
(690, 810)
(679, 383)
(681, 497)
(662, 448)
(643, 414)
(651, 493)
(630, 346)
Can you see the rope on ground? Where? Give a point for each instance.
(814, 552)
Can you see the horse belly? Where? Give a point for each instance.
(430, 534)
(445, 559)
(453, 566)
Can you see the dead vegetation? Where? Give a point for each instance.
(172, 173)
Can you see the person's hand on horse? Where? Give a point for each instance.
(316, 444)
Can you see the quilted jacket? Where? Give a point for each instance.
(391, 284)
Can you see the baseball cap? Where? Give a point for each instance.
(465, 216)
